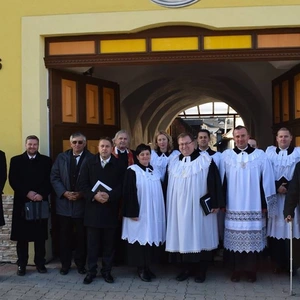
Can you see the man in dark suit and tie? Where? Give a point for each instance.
(102, 204)
(29, 177)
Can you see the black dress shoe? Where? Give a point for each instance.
(200, 277)
(108, 278)
(41, 269)
(89, 278)
(64, 271)
(21, 271)
(144, 275)
(236, 276)
(183, 275)
(251, 276)
(81, 270)
(151, 274)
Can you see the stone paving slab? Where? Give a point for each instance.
(127, 286)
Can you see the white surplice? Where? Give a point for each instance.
(151, 225)
(188, 229)
(245, 224)
(283, 166)
(160, 162)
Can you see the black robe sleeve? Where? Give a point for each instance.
(214, 186)
(293, 194)
(131, 208)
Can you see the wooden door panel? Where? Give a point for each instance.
(92, 104)
(69, 101)
(92, 146)
(108, 106)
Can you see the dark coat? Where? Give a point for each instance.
(60, 180)
(96, 214)
(28, 175)
(292, 198)
(3, 177)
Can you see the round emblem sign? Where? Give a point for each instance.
(174, 3)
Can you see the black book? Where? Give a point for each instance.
(205, 202)
(283, 180)
(101, 186)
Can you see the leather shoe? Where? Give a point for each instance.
(89, 278)
(251, 276)
(236, 276)
(151, 274)
(108, 278)
(21, 271)
(81, 270)
(183, 275)
(41, 269)
(200, 277)
(64, 271)
(144, 275)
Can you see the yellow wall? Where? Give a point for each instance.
(23, 78)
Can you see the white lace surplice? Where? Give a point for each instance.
(188, 229)
(245, 224)
(283, 166)
(151, 226)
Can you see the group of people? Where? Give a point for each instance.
(159, 201)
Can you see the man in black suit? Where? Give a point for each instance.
(70, 203)
(29, 177)
(3, 177)
(102, 203)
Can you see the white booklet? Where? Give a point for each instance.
(101, 186)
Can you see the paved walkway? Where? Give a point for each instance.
(127, 286)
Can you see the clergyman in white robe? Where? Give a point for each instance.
(191, 235)
(283, 162)
(250, 190)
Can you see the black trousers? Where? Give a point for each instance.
(72, 229)
(245, 261)
(39, 252)
(100, 238)
(194, 262)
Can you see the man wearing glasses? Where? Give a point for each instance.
(70, 203)
(192, 235)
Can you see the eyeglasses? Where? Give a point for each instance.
(77, 142)
(185, 144)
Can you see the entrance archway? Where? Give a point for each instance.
(200, 65)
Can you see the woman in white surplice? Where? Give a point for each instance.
(163, 152)
(144, 223)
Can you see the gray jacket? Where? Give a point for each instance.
(60, 180)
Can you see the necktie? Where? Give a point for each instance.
(75, 160)
(103, 163)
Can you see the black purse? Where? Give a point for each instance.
(36, 210)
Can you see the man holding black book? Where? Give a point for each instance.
(101, 182)
(284, 158)
(191, 234)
